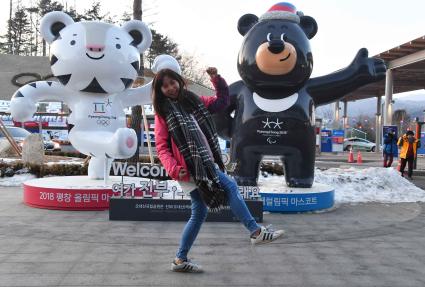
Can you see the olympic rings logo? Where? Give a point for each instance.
(22, 79)
(103, 122)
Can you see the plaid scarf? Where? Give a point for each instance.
(190, 143)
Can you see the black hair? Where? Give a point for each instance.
(410, 133)
(158, 97)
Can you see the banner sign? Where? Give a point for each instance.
(142, 209)
(337, 140)
(421, 150)
(153, 200)
(139, 169)
(4, 106)
(326, 141)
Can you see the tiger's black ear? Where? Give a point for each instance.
(52, 23)
(141, 34)
(246, 22)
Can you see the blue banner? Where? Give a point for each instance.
(326, 141)
(421, 150)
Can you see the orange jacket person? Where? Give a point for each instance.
(409, 145)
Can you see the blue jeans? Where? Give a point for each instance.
(200, 210)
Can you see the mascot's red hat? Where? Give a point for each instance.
(283, 11)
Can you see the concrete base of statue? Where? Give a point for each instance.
(73, 192)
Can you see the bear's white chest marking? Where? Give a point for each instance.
(274, 106)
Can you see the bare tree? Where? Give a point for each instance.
(401, 119)
(366, 125)
(136, 111)
(327, 114)
(9, 28)
(193, 70)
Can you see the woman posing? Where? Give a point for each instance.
(187, 145)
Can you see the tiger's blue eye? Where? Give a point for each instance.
(72, 42)
(118, 46)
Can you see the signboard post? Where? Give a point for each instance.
(158, 200)
(338, 140)
(326, 141)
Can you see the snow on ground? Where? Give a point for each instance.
(352, 185)
(15, 180)
(74, 161)
(69, 160)
(9, 160)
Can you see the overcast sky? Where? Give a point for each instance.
(208, 28)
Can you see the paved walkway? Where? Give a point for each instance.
(369, 159)
(353, 245)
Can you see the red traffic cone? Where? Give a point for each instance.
(359, 158)
(350, 156)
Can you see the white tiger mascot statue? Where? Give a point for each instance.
(96, 63)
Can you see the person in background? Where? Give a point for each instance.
(409, 146)
(390, 146)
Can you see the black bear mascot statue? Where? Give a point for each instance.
(272, 108)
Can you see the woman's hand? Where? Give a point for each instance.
(212, 72)
(182, 173)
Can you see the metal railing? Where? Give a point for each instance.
(355, 133)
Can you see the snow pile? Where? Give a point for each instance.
(15, 180)
(352, 185)
(374, 184)
(9, 160)
(74, 161)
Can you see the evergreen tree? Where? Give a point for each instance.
(161, 45)
(94, 14)
(19, 32)
(44, 7)
(75, 15)
(35, 24)
(125, 17)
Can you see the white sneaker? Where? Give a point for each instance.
(186, 266)
(267, 235)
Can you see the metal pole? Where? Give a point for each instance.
(378, 124)
(336, 115)
(9, 137)
(388, 113)
(418, 136)
(345, 115)
(9, 32)
(145, 122)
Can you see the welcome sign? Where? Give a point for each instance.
(139, 169)
(160, 200)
